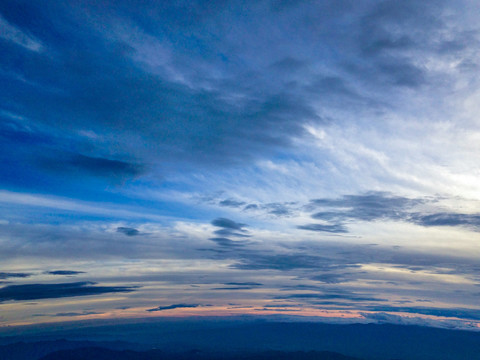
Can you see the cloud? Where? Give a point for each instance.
(384, 318)
(228, 224)
(128, 231)
(447, 219)
(61, 204)
(367, 207)
(17, 36)
(51, 291)
(231, 203)
(130, 97)
(174, 306)
(378, 206)
(281, 305)
(234, 288)
(284, 262)
(243, 283)
(277, 209)
(337, 228)
(6, 275)
(226, 242)
(169, 102)
(79, 164)
(248, 102)
(77, 314)
(461, 313)
(228, 228)
(65, 272)
(244, 109)
(71, 314)
(333, 296)
(330, 278)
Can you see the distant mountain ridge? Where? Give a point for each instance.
(107, 354)
(363, 341)
(38, 349)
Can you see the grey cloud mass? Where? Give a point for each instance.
(377, 206)
(50, 291)
(247, 102)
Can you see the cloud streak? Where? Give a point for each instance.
(174, 306)
(51, 291)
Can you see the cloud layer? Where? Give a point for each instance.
(321, 155)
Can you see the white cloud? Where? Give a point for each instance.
(15, 35)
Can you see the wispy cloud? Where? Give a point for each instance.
(11, 33)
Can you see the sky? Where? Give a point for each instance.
(317, 159)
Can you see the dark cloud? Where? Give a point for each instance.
(77, 314)
(65, 272)
(243, 283)
(251, 207)
(51, 291)
(174, 306)
(6, 275)
(231, 203)
(149, 99)
(337, 90)
(334, 295)
(275, 209)
(403, 74)
(228, 228)
(128, 231)
(277, 310)
(127, 97)
(278, 209)
(336, 228)
(330, 278)
(280, 262)
(289, 64)
(376, 206)
(379, 33)
(227, 243)
(228, 232)
(234, 288)
(228, 224)
(368, 207)
(71, 314)
(447, 219)
(88, 165)
(203, 100)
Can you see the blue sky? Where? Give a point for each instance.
(315, 158)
